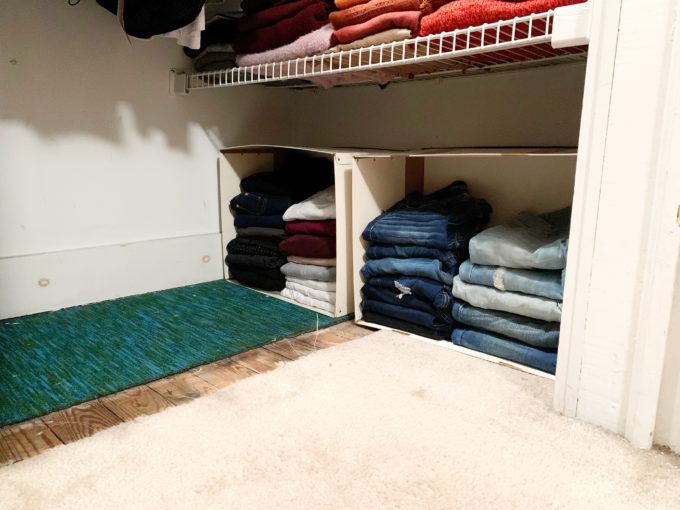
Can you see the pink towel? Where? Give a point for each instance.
(401, 19)
(309, 44)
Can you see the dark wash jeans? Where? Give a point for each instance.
(502, 347)
(409, 327)
(424, 319)
(253, 220)
(260, 204)
(426, 268)
(394, 297)
(436, 294)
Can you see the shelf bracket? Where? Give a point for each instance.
(571, 26)
(179, 85)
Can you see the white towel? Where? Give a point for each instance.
(313, 284)
(302, 299)
(321, 295)
(320, 206)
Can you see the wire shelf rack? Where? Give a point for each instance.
(521, 42)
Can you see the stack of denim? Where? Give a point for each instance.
(311, 251)
(254, 258)
(509, 294)
(416, 247)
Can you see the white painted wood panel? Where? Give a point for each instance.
(50, 281)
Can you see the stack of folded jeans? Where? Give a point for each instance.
(254, 258)
(509, 294)
(415, 250)
(311, 251)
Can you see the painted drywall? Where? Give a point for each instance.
(535, 107)
(95, 151)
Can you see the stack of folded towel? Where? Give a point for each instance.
(509, 294)
(311, 251)
(254, 257)
(360, 23)
(467, 13)
(282, 30)
(416, 247)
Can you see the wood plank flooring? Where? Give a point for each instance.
(27, 439)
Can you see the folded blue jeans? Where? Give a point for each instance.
(422, 228)
(409, 327)
(260, 203)
(394, 297)
(418, 317)
(502, 347)
(253, 220)
(489, 298)
(528, 241)
(542, 334)
(426, 268)
(381, 251)
(432, 291)
(536, 282)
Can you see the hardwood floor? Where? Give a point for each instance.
(27, 439)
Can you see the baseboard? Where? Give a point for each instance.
(50, 281)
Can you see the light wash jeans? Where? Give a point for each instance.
(528, 241)
(513, 302)
(541, 334)
(536, 282)
(505, 348)
(426, 268)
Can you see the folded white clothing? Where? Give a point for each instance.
(189, 35)
(320, 206)
(321, 295)
(305, 300)
(313, 284)
(307, 272)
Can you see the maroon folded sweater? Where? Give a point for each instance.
(285, 31)
(272, 15)
(318, 228)
(402, 19)
(308, 246)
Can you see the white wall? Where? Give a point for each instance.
(536, 107)
(95, 152)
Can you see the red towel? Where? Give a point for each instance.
(318, 228)
(403, 19)
(364, 12)
(307, 20)
(272, 15)
(468, 13)
(309, 246)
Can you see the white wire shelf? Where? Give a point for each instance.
(526, 41)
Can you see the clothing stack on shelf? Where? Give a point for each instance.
(467, 13)
(216, 50)
(254, 258)
(416, 248)
(509, 293)
(360, 23)
(311, 251)
(273, 31)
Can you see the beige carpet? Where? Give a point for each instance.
(380, 422)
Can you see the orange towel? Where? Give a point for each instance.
(346, 4)
(364, 12)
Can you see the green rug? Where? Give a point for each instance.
(54, 360)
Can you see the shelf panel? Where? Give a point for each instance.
(521, 42)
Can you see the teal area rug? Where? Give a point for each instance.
(54, 360)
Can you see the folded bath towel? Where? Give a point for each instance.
(467, 13)
(311, 18)
(346, 4)
(272, 15)
(303, 245)
(312, 261)
(313, 284)
(321, 295)
(320, 206)
(388, 36)
(308, 44)
(305, 300)
(364, 12)
(389, 20)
